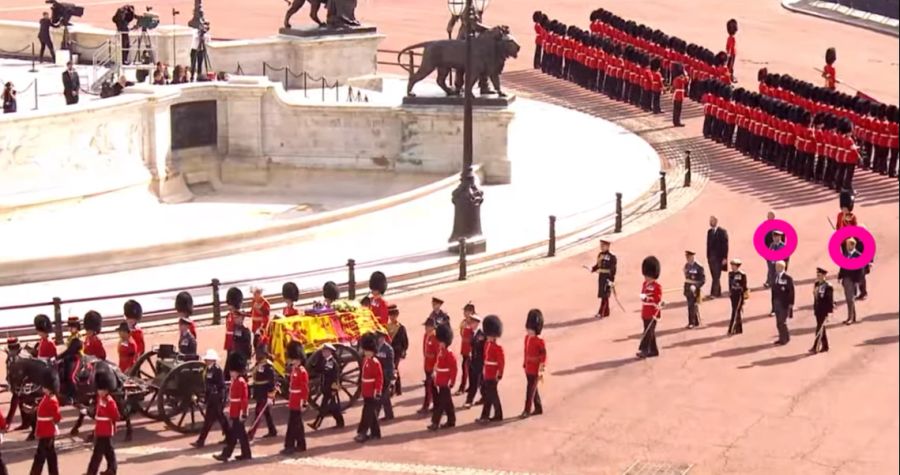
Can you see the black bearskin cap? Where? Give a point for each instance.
(184, 303)
(290, 292)
(378, 282)
(894, 114)
(847, 199)
(369, 342)
(721, 58)
(650, 267)
(444, 334)
(845, 126)
(234, 297)
(295, 351)
(536, 16)
(732, 26)
(124, 327)
(103, 380)
(677, 69)
(50, 380)
(236, 362)
(595, 15)
(492, 326)
(133, 309)
(570, 31)
(830, 56)
(330, 291)
(655, 64)
(534, 321)
(93, 321)
(42, 323)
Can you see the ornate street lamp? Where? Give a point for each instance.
(467, 198)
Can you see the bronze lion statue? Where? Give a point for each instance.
(490, 50)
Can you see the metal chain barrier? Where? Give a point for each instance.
(13, 53)
(84, 46)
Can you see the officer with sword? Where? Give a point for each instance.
(606, 266)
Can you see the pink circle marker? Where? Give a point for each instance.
(790, 240)
(866, 240)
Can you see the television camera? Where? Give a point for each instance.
(62, 13)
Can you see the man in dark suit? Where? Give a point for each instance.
(850, 279)
(716, 254)
(45, 38)
(782, 301)
(71, 84)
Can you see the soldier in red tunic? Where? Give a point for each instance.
(651, 298)
(295, 437)
(106, 414)
(731, 46)
(46, 430)
(372, 382)
(93, 324)
(238, 405)
(656, 85)
(846, 216)
(43, 327)
(290, 293)
(539, 19)
(127, 348)
(235, 299)
(829, 73)
(259, 314)
(430, 348)
(184, 307)
(133, 313)
(535, 359)
(494, 363)
(445, 370)
(378, 286)
(679, 86)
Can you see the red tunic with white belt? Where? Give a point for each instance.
(46, 348)
(94, 347)
(106, 417)
(535, 355)
(47, 417)
(430, 348)
(651, 296)
(494, 361)
(372, 378)
(299, 391)
(445, 370)
(238, 398)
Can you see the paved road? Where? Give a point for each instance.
(722, 405)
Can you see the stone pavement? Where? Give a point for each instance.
(845, 14)
(559, 168)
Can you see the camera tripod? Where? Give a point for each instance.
(143, 51)
(200, 56)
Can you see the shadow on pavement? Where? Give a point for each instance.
(883, 340)
(599, 366)
(777, 360)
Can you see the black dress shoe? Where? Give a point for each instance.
(537, 412)
(496, 419)
(432, 427)
(220, 458)
(270, 434)
(360, 438)
(448, 425)
(243, 457)
(524, 415)
(197, 444)
(288, 452)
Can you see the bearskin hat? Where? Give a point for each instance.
(731, 26)
(444, 334)
(570, 31)
(93, 321)
(883, 112)
(295, 351)
(655, 64)
(663, 39)
(290, 292)
(650, 267)
(492, 326)
(845, 126)
(727, 92)
(721, 58)
(536, 16)
(830, 56)
(595, 15)
(534, 321)
(103, 380)
(42, 323)
(894, 114)
(184, 303)
(124, 327)
(236, 362)
(133, 309)
(369, 342)
(378, 282)
(847, 199)
(234, 297)
(49, 380)
(677, 69)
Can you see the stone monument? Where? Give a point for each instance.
(340, 20)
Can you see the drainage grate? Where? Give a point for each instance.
(645, 467)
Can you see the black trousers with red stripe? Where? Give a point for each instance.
(103, 449)
(532, 396)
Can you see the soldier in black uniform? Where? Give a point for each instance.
(823, 306)
(68, 358)
(263, 387)
(438, 315)
(241, 338)
(694, 278)
(215, 397)
(476, 367)
(606, 266)
(782, 301)
(330, 373)
(739, 292)
(187, 344)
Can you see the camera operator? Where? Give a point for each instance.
(45, 38)
(123, 18)
(198, 54)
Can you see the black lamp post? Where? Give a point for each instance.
(467, 198)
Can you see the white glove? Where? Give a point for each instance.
(643, 297)
(694, 288)
(612, 284)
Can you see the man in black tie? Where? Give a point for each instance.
(783, 301)
(45, 38)
(71, 84)
(716, 254)
(850, 279)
